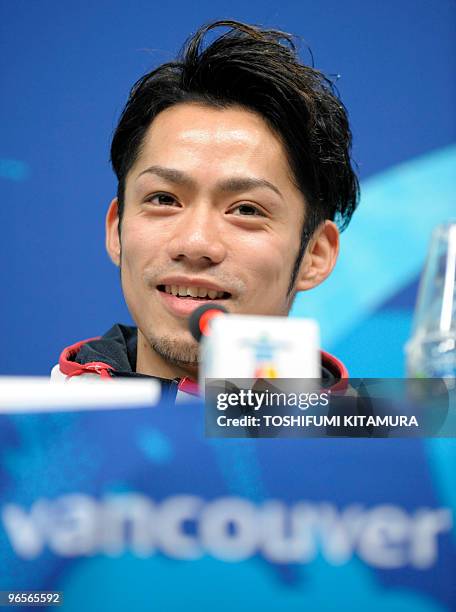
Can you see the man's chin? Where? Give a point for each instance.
(176, 351)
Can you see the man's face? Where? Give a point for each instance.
(211, 214)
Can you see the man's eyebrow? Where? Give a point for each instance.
(230, 185)
(170, 174)
(243, 183)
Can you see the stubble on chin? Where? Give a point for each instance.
(175, 351)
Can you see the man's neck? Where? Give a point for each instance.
(151, 363)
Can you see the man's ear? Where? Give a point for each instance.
(112, 232)
(320, 257)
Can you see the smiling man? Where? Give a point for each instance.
(234, 174)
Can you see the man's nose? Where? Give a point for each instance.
(197, 237)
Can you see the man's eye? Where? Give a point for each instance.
(247, 210)
(162, 199)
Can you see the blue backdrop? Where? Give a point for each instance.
(66, 69)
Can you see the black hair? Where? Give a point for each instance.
(258, 69)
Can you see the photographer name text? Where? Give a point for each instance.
(310, 420)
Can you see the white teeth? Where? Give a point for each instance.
(194, 292)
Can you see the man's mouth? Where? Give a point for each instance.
(194, 293)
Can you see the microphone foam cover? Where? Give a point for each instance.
(200, 317)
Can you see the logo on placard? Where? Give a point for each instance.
(264, 356)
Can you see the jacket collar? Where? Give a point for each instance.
(114, 355)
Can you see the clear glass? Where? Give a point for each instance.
(431, 350)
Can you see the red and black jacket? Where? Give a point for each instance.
(114, 355)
